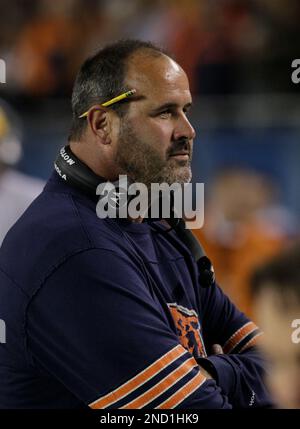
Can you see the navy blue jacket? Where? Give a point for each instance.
(106, 313)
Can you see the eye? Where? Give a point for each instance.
(165, 114)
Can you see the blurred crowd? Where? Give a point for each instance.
(226, 46)
(17, 190)
(245, 225)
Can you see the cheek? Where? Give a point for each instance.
(156, 134)
(160, 132)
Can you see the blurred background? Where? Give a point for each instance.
(238, 56)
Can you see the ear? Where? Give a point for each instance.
(99, 124)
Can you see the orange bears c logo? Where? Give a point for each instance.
(188, 329)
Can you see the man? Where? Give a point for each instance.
(109, 313)
(276, 287)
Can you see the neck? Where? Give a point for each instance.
(90, 156)
(137, 220)
(86, 156)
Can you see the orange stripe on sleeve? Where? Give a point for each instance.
(238, 336)
(139, 379)
(252, 342)
(184, 392)
(163, 385)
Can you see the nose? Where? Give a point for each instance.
(184, 129)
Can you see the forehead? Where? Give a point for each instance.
(158, 78)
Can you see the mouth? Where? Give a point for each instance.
(181, 156)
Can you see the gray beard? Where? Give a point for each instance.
(144, 165)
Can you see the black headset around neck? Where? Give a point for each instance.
(73, 171)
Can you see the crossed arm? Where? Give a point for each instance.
(112, 346)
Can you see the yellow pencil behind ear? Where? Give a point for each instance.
(113, 101)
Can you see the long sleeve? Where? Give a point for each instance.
(240, 370)
(97, 329)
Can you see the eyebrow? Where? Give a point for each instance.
(171, 106)
(136, 97)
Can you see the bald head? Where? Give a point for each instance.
(147, 70)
